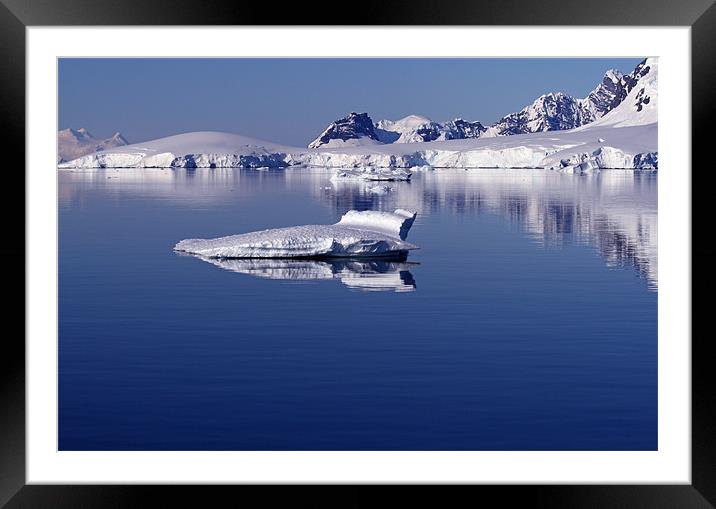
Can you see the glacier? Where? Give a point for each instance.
(634, 144)
(204, 149)
(366, 234)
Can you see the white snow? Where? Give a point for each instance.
(391, 223)
(403, 130)
(633, 110)
(357, 234)
(353, 142)
(536, 150)
(204, 149)
(409, 122)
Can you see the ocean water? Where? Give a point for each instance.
(526, 321)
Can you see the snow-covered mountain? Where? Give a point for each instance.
(607, 95)
(411, 129)
(559, 111)
(416, 129)
(353, 129)
(358, 129)
(639, 106)
(72, 143)
(555, 111)
(550, 112)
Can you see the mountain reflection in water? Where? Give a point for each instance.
(614, 211)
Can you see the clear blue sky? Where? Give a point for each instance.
(292, 100)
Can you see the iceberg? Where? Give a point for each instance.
(366, 234)
(364, 275)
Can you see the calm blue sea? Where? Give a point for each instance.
(526, 321)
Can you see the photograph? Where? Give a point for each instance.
(416, 246)
(358, 254)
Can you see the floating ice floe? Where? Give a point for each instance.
(373, 173)
(357, 235)
(365, 275)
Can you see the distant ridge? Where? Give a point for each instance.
(72, 143)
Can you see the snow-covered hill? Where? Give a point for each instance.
(598, 146)
(72, 143)
(205, 149)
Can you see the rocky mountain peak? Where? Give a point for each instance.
(353, 126)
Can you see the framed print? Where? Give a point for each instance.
(431, 248)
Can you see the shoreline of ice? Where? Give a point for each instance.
(599, 146)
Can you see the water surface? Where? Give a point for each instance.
(526, 321)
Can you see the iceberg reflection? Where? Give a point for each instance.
(364, 275)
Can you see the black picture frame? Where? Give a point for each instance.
(700, 15)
